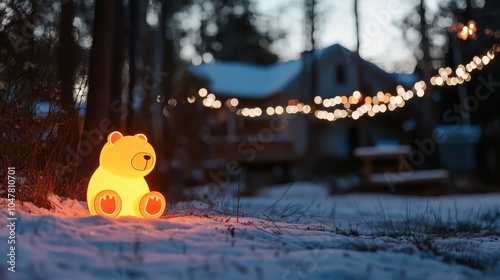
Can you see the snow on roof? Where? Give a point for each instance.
(319, 53)
(245, 80)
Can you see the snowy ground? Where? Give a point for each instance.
(304, 234)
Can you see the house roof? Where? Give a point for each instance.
(245, 80)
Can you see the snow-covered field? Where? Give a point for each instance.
(285, 233)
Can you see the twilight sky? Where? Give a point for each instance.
(381, 39)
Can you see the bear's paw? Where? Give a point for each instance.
(107, 203)
(152, 205)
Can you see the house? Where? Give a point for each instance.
(329, 72)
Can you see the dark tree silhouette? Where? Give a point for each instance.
(428, 108)
(417, 23)
(67, 55)
(117, 116)
(137, 19)
(97, 117)
(228, 31)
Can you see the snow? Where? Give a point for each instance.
(291, 231)
(389, 151)
(43, 108)
(244, 80)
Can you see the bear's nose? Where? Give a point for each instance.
(146, 157)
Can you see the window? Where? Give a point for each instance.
(340, 73)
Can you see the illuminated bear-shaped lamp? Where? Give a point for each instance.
(117, 187)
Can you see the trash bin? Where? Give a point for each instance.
(458, 151)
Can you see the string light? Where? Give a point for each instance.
(202, 92)
(357, 104)
(270, 111)
(172, 102)
(462, 73)
(465, 32)
(306, 110)
(216, 104)
(278, 110)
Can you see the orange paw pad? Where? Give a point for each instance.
(107, 203)
(152, 205)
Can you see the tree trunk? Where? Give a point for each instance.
(137, 93)
(427, 118)
(426, 121)
(356, 17)
(360, 126)
(97, 118)
(67, 54)
(162, 139)
(117, 115)
(26, 53)
(310, 23)
(66, 71)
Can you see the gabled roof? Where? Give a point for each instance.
(245, 80)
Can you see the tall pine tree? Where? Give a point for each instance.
(229, 32)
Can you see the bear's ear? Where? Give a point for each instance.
(114, 136)
(142, 136)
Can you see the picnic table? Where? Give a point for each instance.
(384, 166)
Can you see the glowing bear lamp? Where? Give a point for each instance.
(117, 187)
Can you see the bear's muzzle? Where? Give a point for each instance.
(142, 161)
